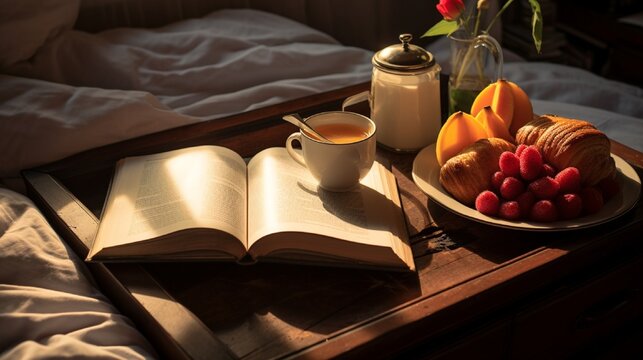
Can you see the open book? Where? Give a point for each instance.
(205, 202)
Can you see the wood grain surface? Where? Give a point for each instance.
(468, 273)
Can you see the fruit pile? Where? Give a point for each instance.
(528, 188)
(498, 111)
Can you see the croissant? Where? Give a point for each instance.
(467, 174)
(567, 142)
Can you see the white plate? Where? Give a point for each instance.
(426, 174)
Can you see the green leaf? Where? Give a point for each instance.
(442, 28)
(536, 24)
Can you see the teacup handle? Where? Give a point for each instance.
(357, 98)
(494, 48)
(294, 154)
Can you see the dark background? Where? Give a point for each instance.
(582, 33)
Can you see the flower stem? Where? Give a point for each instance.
(498, 14)
(477, 25)
(464, 65)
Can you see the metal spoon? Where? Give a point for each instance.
(295, 119)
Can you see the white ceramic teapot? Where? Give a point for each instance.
(404, 97)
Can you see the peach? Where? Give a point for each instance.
(523, 110)
(459, 131)
(493, 124)
(483, 99)
(508, 101)
(503, 102)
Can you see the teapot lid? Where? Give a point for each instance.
(404, 57)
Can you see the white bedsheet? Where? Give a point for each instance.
(84, 90)
(49, 307)
(227, 62)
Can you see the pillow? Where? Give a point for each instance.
(26, 25)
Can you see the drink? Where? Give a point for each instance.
(340, 164)
(342, 133)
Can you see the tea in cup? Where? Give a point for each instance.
(338, 165)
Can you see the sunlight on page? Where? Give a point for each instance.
(287, 199)
(156, 195)
(126, 203)
(270, 186)
(188, 173)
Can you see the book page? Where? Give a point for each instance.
(198, 187)
(284, 197)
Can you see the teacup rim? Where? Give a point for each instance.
(371, 122)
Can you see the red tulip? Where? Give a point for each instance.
(450, 9)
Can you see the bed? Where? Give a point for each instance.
(64, 90)
(128, 82)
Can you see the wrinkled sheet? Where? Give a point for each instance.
(82, 90)
(224, 63)
(49, 306)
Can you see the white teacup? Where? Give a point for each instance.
(337, 166)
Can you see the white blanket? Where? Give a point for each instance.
(82, 90)
(224, 63)
(49, 307)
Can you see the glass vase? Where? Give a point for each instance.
(475, 63)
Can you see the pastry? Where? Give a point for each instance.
(468, 173)
(566, 142)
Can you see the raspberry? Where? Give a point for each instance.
(526, 200)
(487, 203)
(543, 211)
(511, 188)
(569, 206)
(609, 187)
(531, 163)
(509, 164)
(497, 179)
(519, 149)
(548, 170)
(569, 180)
(509, 210)
(544, 187)
(592, 200)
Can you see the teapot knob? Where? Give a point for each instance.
(406, 39)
